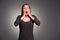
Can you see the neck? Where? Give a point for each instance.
(26, 15)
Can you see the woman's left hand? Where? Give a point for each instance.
(31, 16)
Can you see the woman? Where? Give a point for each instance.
(26, 22)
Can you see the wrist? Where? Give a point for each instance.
(32, 17)
(22, 17)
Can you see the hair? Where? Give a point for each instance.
(23, 7)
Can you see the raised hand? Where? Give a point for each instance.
(23, 16)
(31, 16)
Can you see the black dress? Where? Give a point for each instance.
(26, 28)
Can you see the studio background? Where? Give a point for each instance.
(47, 11)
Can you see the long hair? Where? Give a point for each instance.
(23, 7)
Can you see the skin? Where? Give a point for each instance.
(26, 13)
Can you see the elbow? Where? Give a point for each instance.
(38, 23)
(15, 24)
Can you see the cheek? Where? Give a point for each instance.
(24, 10)
(28, 10)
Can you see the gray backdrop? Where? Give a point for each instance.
(47, 11)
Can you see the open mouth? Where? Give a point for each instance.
(26, 12)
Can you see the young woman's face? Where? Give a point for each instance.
(26, 9)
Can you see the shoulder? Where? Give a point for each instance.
(33, 15)
(18, 16)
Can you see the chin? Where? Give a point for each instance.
(26, 15)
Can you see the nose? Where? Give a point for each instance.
(26, 9)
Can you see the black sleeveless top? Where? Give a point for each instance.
(26, 28)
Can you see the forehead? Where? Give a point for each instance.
(26, 5)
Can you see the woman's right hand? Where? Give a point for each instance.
(23, 16)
